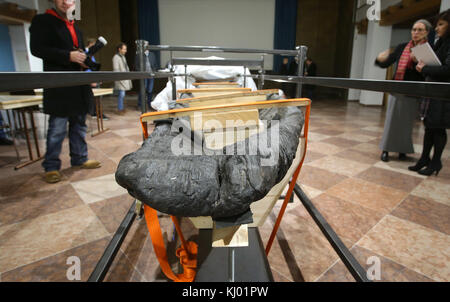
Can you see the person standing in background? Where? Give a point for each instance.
(59, 43)
(436, 113)
(310, 71)
(289, 70)
(402, 110)
(120, 65)
(149, 66)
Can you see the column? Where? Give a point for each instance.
(378, 40)
(357, 67)
(445, 4)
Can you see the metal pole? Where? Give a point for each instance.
(141, 45)
(172, 79)
(185, 77)
(231, 264)
(302, 52)
(261, 74)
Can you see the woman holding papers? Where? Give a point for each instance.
(402, 110)
(436, 113)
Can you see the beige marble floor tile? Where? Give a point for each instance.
(356, 137)
(340, 165)
(348, 220)
(374, 129)
(400, 167)
(316, 137)
(300, 252)
(323, 148)
(137, 130)
(368, 148)
(367, 194)
(97, 189)
(310, 191)
(414, 246)
(390, 271)
(434, 190)
(35, 239)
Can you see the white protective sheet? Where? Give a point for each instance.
(201, 73)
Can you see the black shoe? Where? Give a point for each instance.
(402, 156)
(431, 170)
(6, 142)
(420, 165)
(385, 156)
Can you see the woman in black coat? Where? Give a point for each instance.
(402, 110)
(436, 113)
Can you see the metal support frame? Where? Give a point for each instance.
(141, 45)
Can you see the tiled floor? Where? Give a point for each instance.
(378, 209)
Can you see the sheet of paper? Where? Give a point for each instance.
(425, 53)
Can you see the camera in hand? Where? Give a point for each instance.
(101, 42)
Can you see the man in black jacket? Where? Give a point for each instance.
(59, 43)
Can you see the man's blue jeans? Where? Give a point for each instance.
(57, 129)
(120, 100)
(149, 84)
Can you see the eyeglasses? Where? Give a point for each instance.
(418, 30)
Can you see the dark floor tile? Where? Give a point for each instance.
(391, 179)
(112, 211)
(319, 178)
(431, 214)
(32, 205)
(348, 220)
(54, 268)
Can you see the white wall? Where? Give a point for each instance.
(230, 23)
(31, 4)
(400, 36)
(357, 67)
(445, 4)
(20, 44)
(378, 40)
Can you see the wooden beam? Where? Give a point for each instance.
(161, 115)
(227, 98)
(11, 14)
(409, 9)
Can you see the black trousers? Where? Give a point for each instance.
(437, 138)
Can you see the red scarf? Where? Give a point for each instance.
(405, 61)
(69, 24)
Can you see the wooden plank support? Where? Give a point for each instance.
(212, 91)
(152, 116)
(234, 98)
(208, 85)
